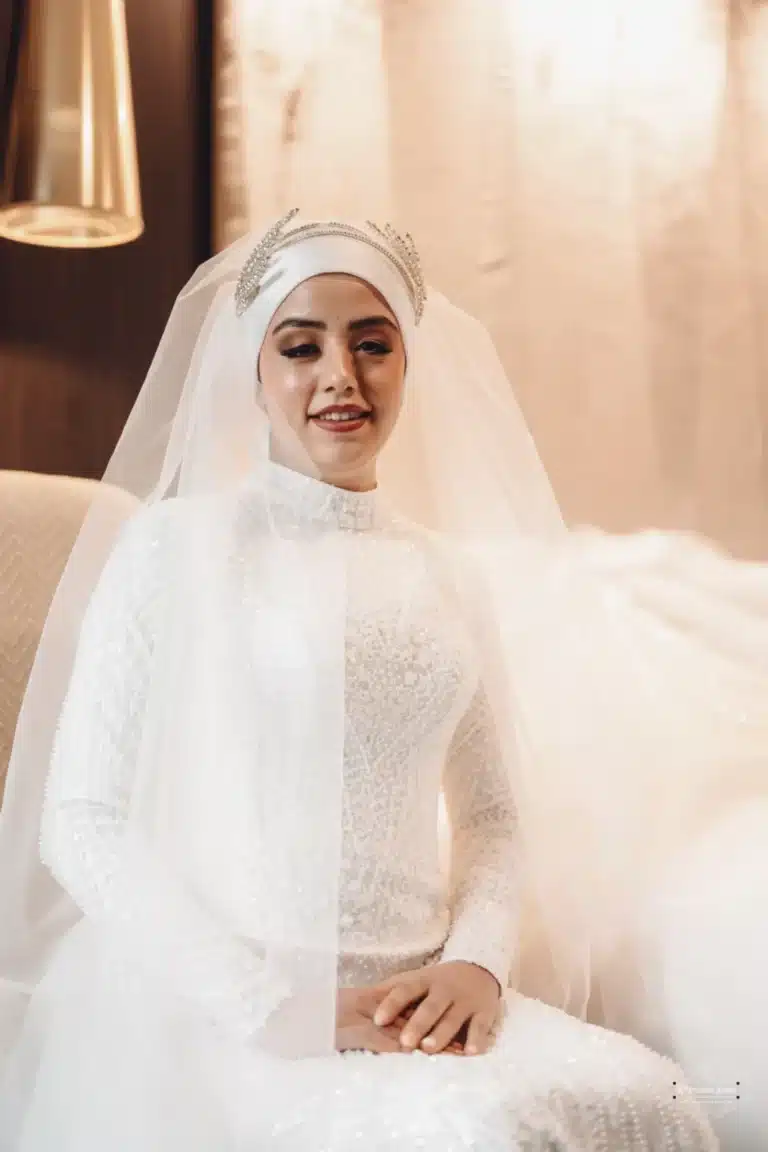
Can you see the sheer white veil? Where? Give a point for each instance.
(197, 443)
(628, 678)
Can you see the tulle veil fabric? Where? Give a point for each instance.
(628, 679)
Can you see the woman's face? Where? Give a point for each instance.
(332, 367)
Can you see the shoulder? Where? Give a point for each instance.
(448, 561)
(140, 555)
(401, 528)
(142, 543)
(144, 560)
(424, 544)
(155, 529)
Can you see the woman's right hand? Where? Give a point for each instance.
(355, 1029)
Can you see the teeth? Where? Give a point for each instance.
(341, 416)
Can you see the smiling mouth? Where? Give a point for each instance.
(341, 420)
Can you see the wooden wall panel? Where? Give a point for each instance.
(78, 329)
(11, 12)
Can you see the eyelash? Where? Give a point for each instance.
(300, 351)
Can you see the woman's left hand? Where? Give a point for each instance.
(450, 997)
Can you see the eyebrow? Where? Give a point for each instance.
(354, 325)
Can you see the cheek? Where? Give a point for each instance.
(287, 391)
(388, 390)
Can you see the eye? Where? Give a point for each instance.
(374, 347)
(299, 351)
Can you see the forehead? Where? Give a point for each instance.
(333, 296)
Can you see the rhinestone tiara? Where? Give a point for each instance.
(399, 250)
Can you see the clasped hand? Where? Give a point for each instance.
(449, 1007)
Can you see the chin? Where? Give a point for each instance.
(339, 468)
(347, 458)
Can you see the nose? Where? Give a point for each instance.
(340, 375)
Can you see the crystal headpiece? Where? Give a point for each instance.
(399, 250)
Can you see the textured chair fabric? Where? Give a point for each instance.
(40, 517)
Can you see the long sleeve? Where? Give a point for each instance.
(98, 856)
(484, 846)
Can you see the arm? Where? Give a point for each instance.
(484, 852)
(88, 841)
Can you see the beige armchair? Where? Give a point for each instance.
(40, 517)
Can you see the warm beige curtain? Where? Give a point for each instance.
(591, 179)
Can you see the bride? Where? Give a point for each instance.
(345, 598)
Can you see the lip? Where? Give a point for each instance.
(338, 426)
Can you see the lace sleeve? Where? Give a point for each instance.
(484, 846)
(87, 841)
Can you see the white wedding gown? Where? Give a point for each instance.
(107, 1058)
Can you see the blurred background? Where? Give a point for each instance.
(590, 179)
(78, 327)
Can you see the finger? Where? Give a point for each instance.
(424, 1019)
(479, 1034)
(380, 1040)
(400, 978)
(368, 1001)
(393, 1030)
(446, 1030)
(396, 1001)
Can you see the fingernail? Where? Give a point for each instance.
(379, 1019)
(471, 1049)
(407, 1040)
(429, 1042)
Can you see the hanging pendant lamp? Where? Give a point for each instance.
(70, 174)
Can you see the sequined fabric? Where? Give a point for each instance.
(417, 724)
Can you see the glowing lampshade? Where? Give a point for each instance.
(70, 177)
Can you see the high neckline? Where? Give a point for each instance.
(311, 501)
